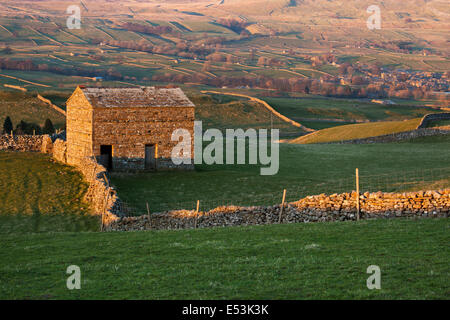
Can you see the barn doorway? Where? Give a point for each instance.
(106, 157)
(150, 157)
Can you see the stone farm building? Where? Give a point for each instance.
(127, 128)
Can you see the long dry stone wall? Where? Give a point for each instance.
(102, 197)
(320, 208)
(396, 136)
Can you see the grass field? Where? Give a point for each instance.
(301, 261)
(358, 131)
(304, 170)
(439, 123)
(38, 194)
(310, 108)
(225, 112)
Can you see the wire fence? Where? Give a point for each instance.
(427, 179)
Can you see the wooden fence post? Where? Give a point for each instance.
(196, 214)
(357, 194)
(282, 205)
(149, 216)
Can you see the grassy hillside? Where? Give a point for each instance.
(321, 112)
(226, 112)
(38, 194)
(304, 170)
(302, 261)
(25, 106)
(358, 131)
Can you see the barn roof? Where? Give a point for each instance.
(136, 97)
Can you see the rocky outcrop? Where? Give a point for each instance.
(320, 208)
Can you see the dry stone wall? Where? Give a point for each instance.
(21, 143)
(320, 208)
(102, 197)
(433, 117)
(397, 136)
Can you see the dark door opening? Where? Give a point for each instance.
(150, 157)
(106, 157)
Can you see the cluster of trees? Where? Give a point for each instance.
(323, 60)
(397, 46)
(181, 49)
(158, 30)
(222, 57)
(235, 25)
(24, 127)
(272, 62)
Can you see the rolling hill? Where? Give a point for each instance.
(358, 131)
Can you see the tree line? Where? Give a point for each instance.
(27, 128)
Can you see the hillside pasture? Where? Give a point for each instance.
(310, 108)
(38, 194)
(358, 131)
(25, 106)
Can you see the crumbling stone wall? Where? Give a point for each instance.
(319, 208)
(21, 143)
(102, 197)
(60, 150)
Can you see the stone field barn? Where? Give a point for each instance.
(127, 128)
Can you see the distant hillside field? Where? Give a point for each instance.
(37, 194)
(25, 106)
(322, 112)
(228, 112)
(358, 131)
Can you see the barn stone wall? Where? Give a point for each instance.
(78, 128)
(129, 129)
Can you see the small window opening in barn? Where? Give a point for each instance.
(106, 157)
(151, 153)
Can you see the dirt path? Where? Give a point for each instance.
(268, 106)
